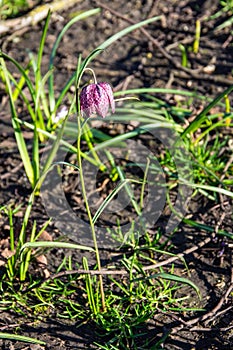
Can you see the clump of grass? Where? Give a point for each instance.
(226, 8)
(12, 8)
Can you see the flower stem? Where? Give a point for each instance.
(93, 73)
(79, 158)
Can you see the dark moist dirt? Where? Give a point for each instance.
(134, 61)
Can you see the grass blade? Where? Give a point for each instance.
(170, 277)
(48, 244)
(210, 188)
(125, 31)
(23, 73)
(53, 54)
(17, 129)
(22, 338)
(201, 116)
(64, 143)
(38, 68)
(108, 199)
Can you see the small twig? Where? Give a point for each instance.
(20, 165)
(153, 8)
(13, 171)
(15, 325)
(180, 255)
(212, 329)
(229, 163)
(125, 272)
(217, 314)
(219, 223)
(231, 257)
(218, 205)
(34, 16)
(201, 76)
(188, 323)
(227, 41)
(225, 329)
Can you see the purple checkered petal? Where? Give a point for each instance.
(108, 89)
(101, 101)
(86, 100)
(96, 98)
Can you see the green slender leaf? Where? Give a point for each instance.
(48, 244)
(207, 228)
(74, 77)
(22, 71)
(89, 288)
(20, 338)
(129, 190)
(66, 163)
(125, 31)
(17, 129)
(57, 141)
(53, 54)
(210, 188)
(160, 91)
(38, 78)
(201, 116)
(225, 24)
(26, 217)
(108, 199)
(38, 120)
(170, 277)
(130, 134)
(64, 143)
(64, 30)
(144, 181)
(24, 97)
(41, 47)
(41, 94)
(35, 158)
(85, 63)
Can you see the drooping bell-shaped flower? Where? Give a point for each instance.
(96, 99)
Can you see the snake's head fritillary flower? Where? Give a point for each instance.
(96, 99)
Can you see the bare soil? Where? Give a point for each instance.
(136, 61)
